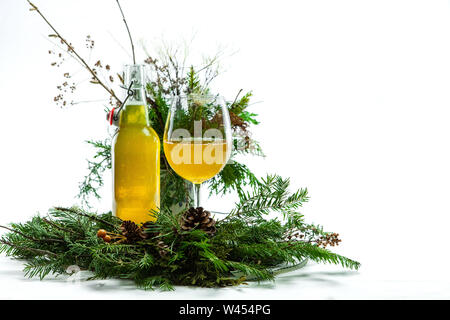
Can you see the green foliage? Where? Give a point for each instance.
(247, 245)
(239, 108)
(174, 189)
(241, 105)
(193, 84)
(100, 163)
(233, 177)
(270, 194)
(248, 117)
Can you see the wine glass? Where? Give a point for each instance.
(197, 138)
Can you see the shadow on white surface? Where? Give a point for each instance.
(295, 285)
(312, 282)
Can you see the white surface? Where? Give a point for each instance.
(312, 282)
(355, 107)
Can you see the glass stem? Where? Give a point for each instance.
(196, 195)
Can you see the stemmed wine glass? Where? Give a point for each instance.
(197, 138)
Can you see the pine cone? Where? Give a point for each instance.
(198, 218)
(163, 248)
(132, 231)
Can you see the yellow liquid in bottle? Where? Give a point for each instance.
(136, 157)
(196, 162)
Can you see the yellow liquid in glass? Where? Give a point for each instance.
(196, 162)
(136, 157)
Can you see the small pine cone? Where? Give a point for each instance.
(163, 248)
(198, 218)
(132, 231)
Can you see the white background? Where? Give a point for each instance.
(354, 105)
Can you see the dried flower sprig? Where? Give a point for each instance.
(64, 88)
(313, 235)
(71, 50)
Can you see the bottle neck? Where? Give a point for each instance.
(134, 115)
(138, 97)
(135, 110)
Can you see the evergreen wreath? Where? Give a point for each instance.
(246, 244)
(182, 247)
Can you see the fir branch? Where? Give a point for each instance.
(242, 249)
(41, 267)
(149, 283)
(157, 111)
(193, 81)
(32, 250)
(270, 194)
(58, 226)
(102, 161)
(249, 271)
(233, 177)
(90, 216)
(321, 255)
(31, 238)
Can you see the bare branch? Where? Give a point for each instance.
(71, 49)
(128, 30)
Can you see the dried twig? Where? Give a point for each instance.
(235, 99)
(128, 30)
(71, 49)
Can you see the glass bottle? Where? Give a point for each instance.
(135, 156)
